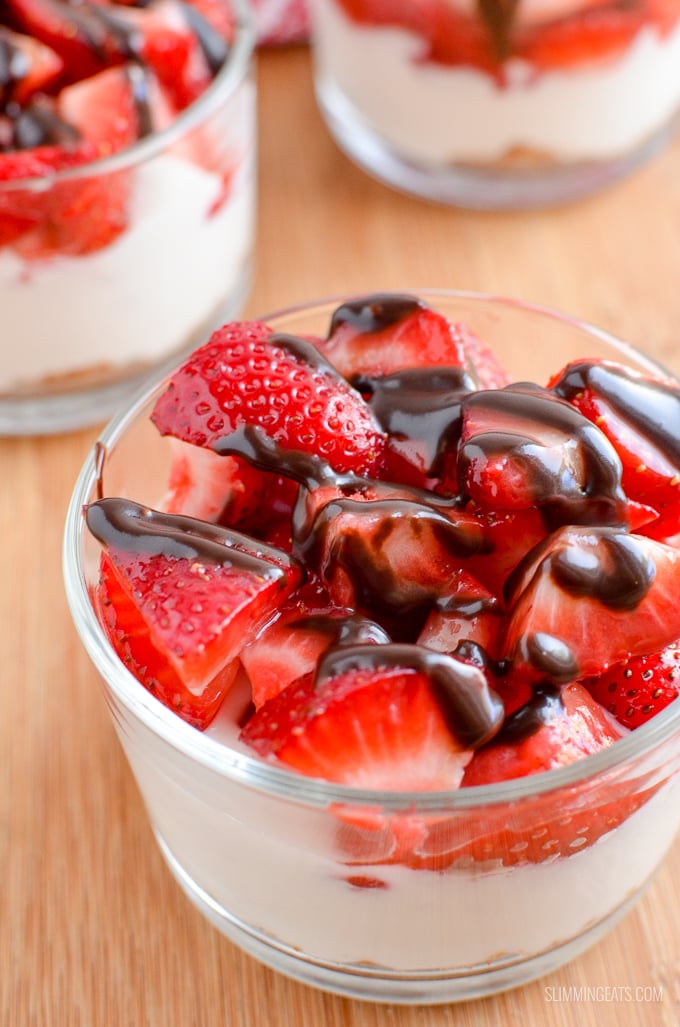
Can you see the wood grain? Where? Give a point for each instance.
(93, 930)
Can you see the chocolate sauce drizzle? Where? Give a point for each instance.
(121, 524)
(473, 711)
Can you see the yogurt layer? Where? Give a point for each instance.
(142, 297)
(275, 866)
(445, 115)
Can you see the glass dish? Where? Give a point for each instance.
(283, 865)
(81, 329)
(478, 108)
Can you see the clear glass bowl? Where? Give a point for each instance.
(284, 865)
(490, 113)
(80, 330)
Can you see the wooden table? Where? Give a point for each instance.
(93, 930)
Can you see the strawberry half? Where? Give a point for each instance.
(587, 598)
(637, 413)
(28, 66)
(180, 598)
(636, 690)
(387, 332)
(248, 377)
(374, 721)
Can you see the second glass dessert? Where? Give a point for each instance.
(498, 105)
(127, 173)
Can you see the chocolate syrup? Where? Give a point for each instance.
(545, 705)
(422, 404)
(121, 524)
(373, 313)
(571, 470)
(215, 48)
(473, 711)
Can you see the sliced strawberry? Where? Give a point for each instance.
(376, 722)
(383, 333)
(471, 614)
(587, 598)
(23, 209)
(637, 414)
(594, 32)
(28, 66)
(246, 377)
(509, 535)
(553, 730)
(390, 557)
(521, 447)
(180, 598)
(290, 647)
(636, 690)
(114, 108)
(75, 32)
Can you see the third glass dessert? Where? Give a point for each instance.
(390, 634)
(126, 195)
(498, 104)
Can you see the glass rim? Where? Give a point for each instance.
(248, 770)
(226, 81)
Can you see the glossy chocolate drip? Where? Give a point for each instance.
(129, 527)
(498, 17)
(570, 467)
(543, 707)
(374, 313)
(14, 67)
(423, 404)
(342, 629)
(40, 125)
(610, 566)
(254, 445)
(651, 408)
(139, 83)
(551, 657)
(215, 48)
(473, 712)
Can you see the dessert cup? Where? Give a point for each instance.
(81, 328)
(533, 108)
(298, 871)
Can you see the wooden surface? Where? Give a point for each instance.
(93, 930)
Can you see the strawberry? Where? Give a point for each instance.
(555, 728)
(291, 645)
(389, 558)
(27, 67)
(245, 377)
(470, 614)
(636, 412)
(594, 32)
(180, 598)
(587, 598)
(379, 719)
(383, 333)
(75, 32)
(522, 447)
(637, 689)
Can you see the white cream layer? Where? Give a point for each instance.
(140, 298)
(444, 115)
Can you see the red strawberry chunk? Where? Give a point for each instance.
(552, 730)
(189, 594)
(587, 598)
(470, 614)
(290, 647)
(381, 334)
(521, 447)
(371, 726)
(636, 690)
(245, 376)
(28, 67)
(637, 414)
